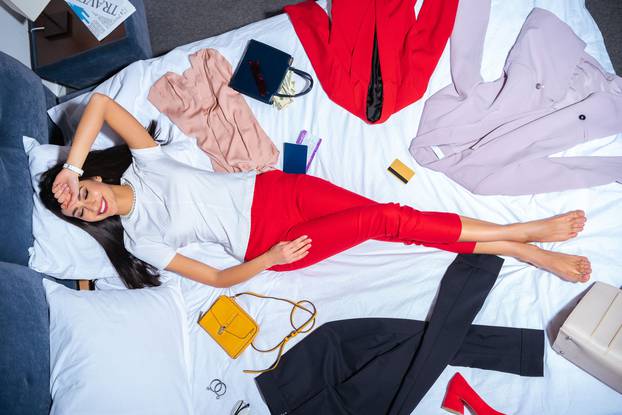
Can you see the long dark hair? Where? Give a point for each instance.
(109, 164)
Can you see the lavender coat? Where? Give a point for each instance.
(496, 137)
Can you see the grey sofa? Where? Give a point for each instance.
(24, 334)
(24, 319)
(24, 322)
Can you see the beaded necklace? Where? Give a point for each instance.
(133, 199)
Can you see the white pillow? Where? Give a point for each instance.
(118, 351)
(129, 88)
(67, 116)
(60, 249)
(124, 88)
(63, 250)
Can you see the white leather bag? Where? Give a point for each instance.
(591, 337)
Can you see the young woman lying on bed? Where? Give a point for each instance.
(141, 205)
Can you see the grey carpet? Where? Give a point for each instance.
(176, 22)
(608, 16)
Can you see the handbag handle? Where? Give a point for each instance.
(306, 77)
(303, 328)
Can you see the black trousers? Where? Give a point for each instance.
(382, 366)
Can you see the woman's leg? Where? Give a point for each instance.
(282, 201)
(335, 233)
(553, 229)
(569, 267)
(316, 200)
(342, 230)
(317, 197)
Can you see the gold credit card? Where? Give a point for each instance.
(401, 171)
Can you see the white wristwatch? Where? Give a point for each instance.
(76, 170)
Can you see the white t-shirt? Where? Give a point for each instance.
(177, 205)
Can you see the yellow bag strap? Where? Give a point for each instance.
(305, 327)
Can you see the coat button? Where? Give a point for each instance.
(581, 117)
(538, 85)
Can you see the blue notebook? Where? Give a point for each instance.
(294, 158)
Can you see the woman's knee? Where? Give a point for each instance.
(389, 215)
(392, 211)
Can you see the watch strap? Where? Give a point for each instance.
(76, 170)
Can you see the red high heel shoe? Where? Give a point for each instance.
(460, 393)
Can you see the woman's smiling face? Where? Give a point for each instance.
(96, 201)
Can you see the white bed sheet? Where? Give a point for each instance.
(390, 280)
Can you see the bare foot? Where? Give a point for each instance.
(571, 268)
(554, 229)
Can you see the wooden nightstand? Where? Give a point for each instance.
(74, 57)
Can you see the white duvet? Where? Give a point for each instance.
(391, 280)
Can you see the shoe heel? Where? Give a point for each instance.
(452, 403)
(460, 393)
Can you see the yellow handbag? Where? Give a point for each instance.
(233, 329)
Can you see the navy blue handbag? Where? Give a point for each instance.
(261, 72)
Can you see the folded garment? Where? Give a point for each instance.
(203, 106)
(499, 137)
(386, 365)
(374, 57)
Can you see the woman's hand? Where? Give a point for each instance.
(289, 251)
(65, 188)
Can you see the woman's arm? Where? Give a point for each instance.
(281, 253)
(99, 109)
(200, 272)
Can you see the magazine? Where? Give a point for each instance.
(101, 16)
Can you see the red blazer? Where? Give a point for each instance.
(341, 48)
